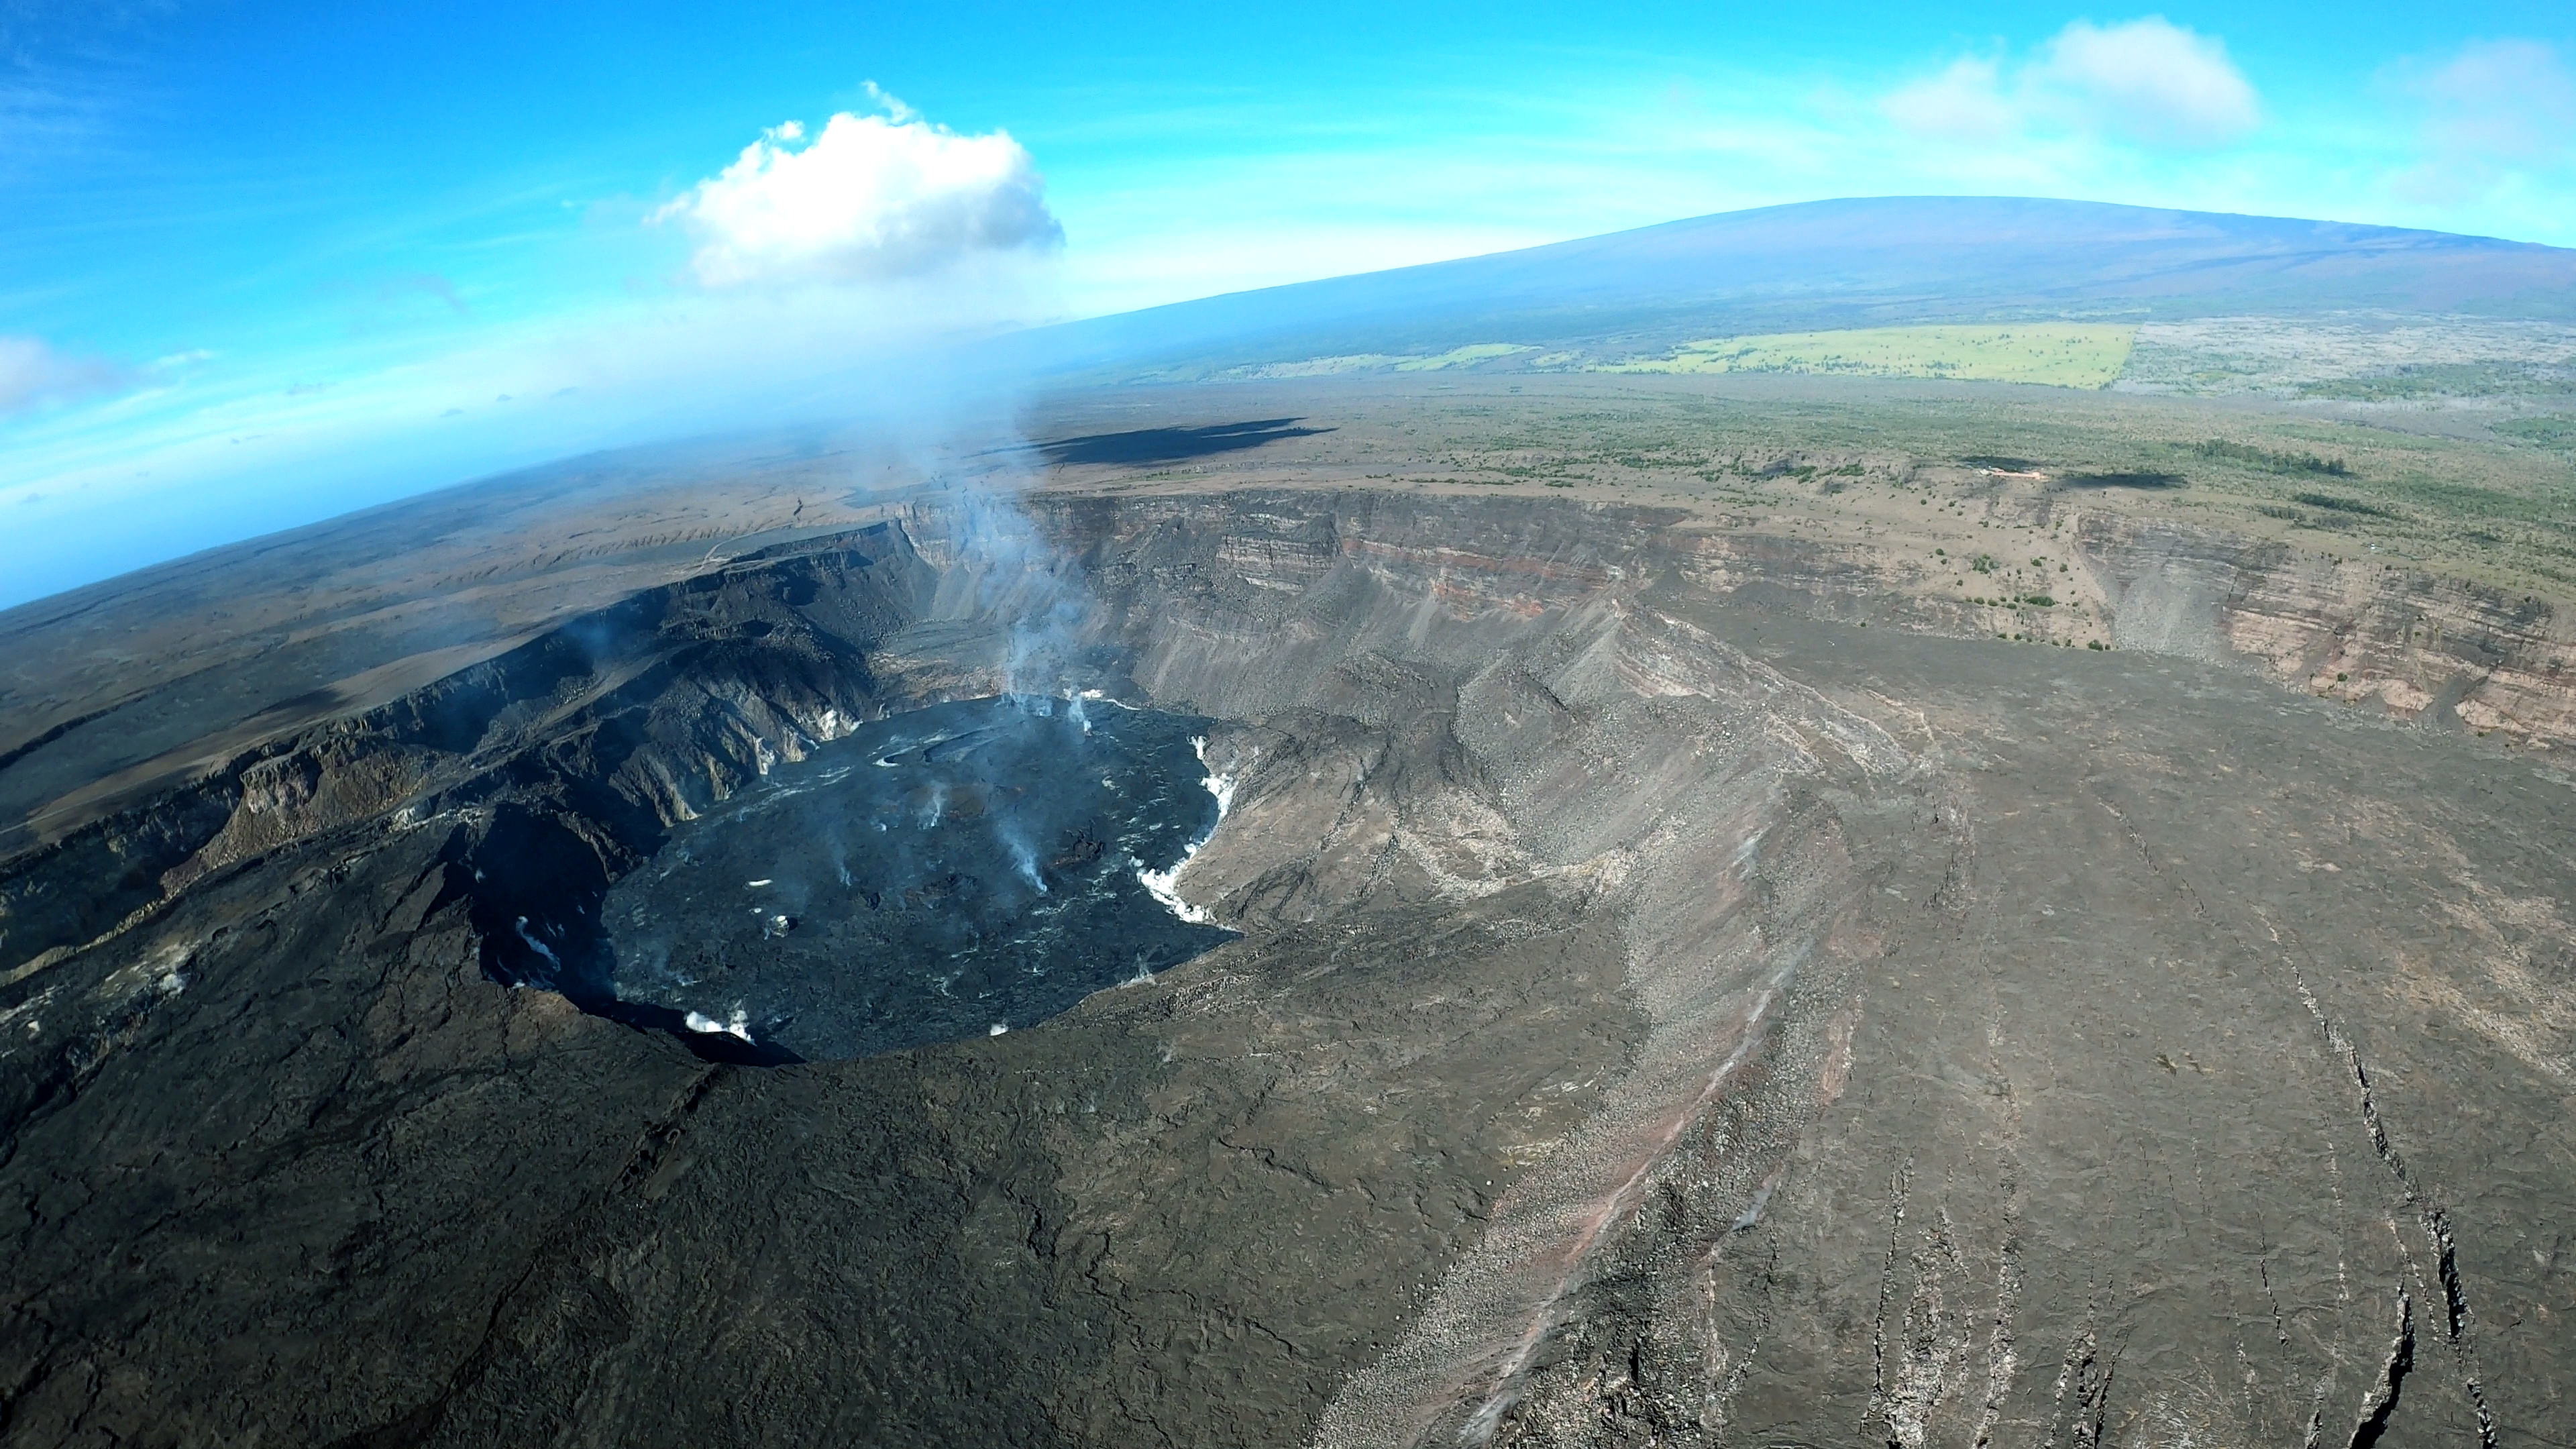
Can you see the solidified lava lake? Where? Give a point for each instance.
(943, 873)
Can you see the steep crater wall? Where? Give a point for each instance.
(1459, 739)
(1562, 919)
(2370, 633)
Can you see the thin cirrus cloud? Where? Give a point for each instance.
(872, 197)
(2496, 106)
(33, 374)
(1965, 102)
(2148, 81)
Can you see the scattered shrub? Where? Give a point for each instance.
(2333, 504)
(2272, 462)
(2123, 480)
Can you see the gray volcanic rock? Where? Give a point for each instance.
(1659, 1017)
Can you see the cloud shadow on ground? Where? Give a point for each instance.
(1172, 445)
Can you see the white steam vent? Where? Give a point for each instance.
(739, 1025)
(1164, 885)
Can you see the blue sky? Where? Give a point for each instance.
(264, 262)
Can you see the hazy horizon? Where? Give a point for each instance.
(271, 262)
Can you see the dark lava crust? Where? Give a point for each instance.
(943, 873)
(1658, 1017)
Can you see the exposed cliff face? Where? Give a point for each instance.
(656, 707)
(2437, 651)
(2440, 651)
(2376, 635)
(1659, 1015)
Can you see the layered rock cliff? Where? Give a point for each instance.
(1666, 1011)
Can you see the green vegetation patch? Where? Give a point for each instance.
(2446, 379)
(2334, 504)
(2054, 354)
(1467, 356)
(2546, 432)
(2124, 480)
(2271, 461)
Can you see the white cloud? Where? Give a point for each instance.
(2503, 101)
(871, 197)
(2149, 80)
(2146, 81)
(1962, 103)
(2489, 121)
(32, 373)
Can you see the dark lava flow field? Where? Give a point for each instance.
(1666, 1003)
(942, 873)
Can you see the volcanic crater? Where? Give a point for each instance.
(1621, 1001)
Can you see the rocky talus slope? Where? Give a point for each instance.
(1664, 1011)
